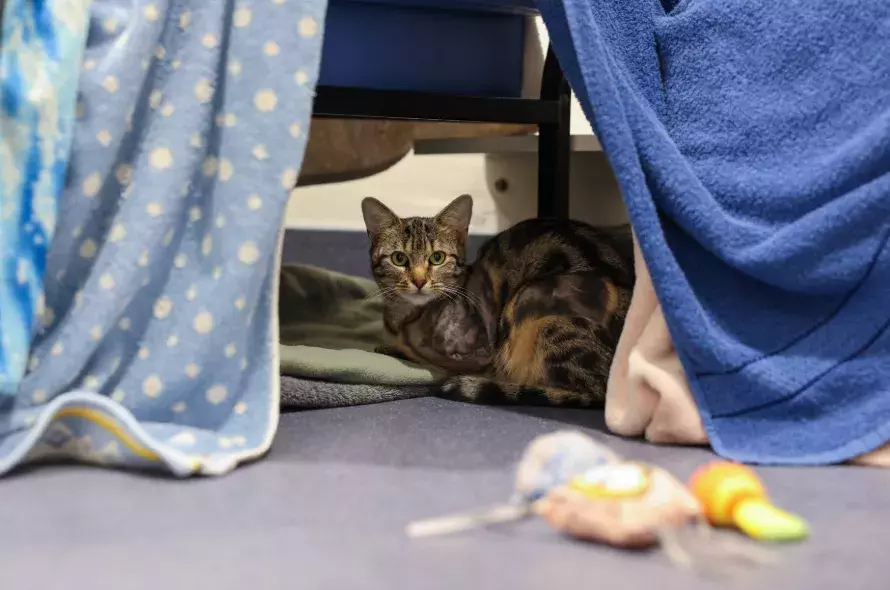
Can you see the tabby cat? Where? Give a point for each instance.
(534, 320)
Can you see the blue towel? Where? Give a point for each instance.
(155, 343)
(751, 140)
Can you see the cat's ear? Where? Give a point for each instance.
(377, 216)
(457, 214)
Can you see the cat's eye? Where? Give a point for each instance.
(399, 259)
(437, 258)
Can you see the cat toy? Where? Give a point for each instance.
(587, 491)
(733, 496)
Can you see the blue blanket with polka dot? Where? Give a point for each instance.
(147, 149)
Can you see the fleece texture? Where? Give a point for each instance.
(751, 141)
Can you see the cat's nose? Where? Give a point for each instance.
(420, 282)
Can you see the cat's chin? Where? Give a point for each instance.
(419, 298)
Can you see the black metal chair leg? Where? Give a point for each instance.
(554, 143)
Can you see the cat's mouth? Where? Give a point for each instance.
(419, 297)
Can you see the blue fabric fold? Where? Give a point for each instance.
(751, 141)
(152, 341)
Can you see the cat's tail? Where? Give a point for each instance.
(482, 390)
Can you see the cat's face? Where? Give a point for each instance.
(418, 258)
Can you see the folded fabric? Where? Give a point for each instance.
(308, 394)
(42, 47)
(330, 325)
(158, 344)
(751, 141)
(648, 394)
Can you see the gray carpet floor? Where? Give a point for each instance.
(326, 510)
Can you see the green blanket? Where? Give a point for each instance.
(330, 327)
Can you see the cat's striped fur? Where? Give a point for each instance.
(535, 320)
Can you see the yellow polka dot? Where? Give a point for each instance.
(160, 52)
(230, 350)
(39, 396)
(196, 141)
(207, 245)
(209, 166)
(91, 185)
(155, 98)
(192, 293)
(242, 17)
(178, 407)
(248, 253)
(183, 439)
(271, 48)
(124, 324)
(278, 1)
(145, 64)
(49, 315)
(255, 202)
(111, 84)
(175, 64)
(168, 237)
(240, 303)
(104, 137)
(77, 232)
(124, 173)
(217, 394)
(300, 77)
(185, 19)
(91, 383)
(203, 323)
(118, 395)
(96, 332)
(226, 170)
(224, 442)
(163, 307)
(217, 273)
(289, 179)
(152, 386)
(209, 40)
(295, 130)
(89, 64)
(173, 341)
(154, 209)
(180, 261)
(192, 370)
(235, 67)
(308, 27)
(204, 90)
(243, 364)
(161, 158)
(110, 25)
(195, 214)
(78, 298)
(143, 353)
(265, 100)
(230, 120)
(167, 109)
(57, 349)
(240, 408)
(88, 249)
(143, 258)
(260, 153)
(118, 233)
(150, 13)
(220, 221)
(33, 363)
(106, 281)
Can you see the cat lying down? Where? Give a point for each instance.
(533, 321)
